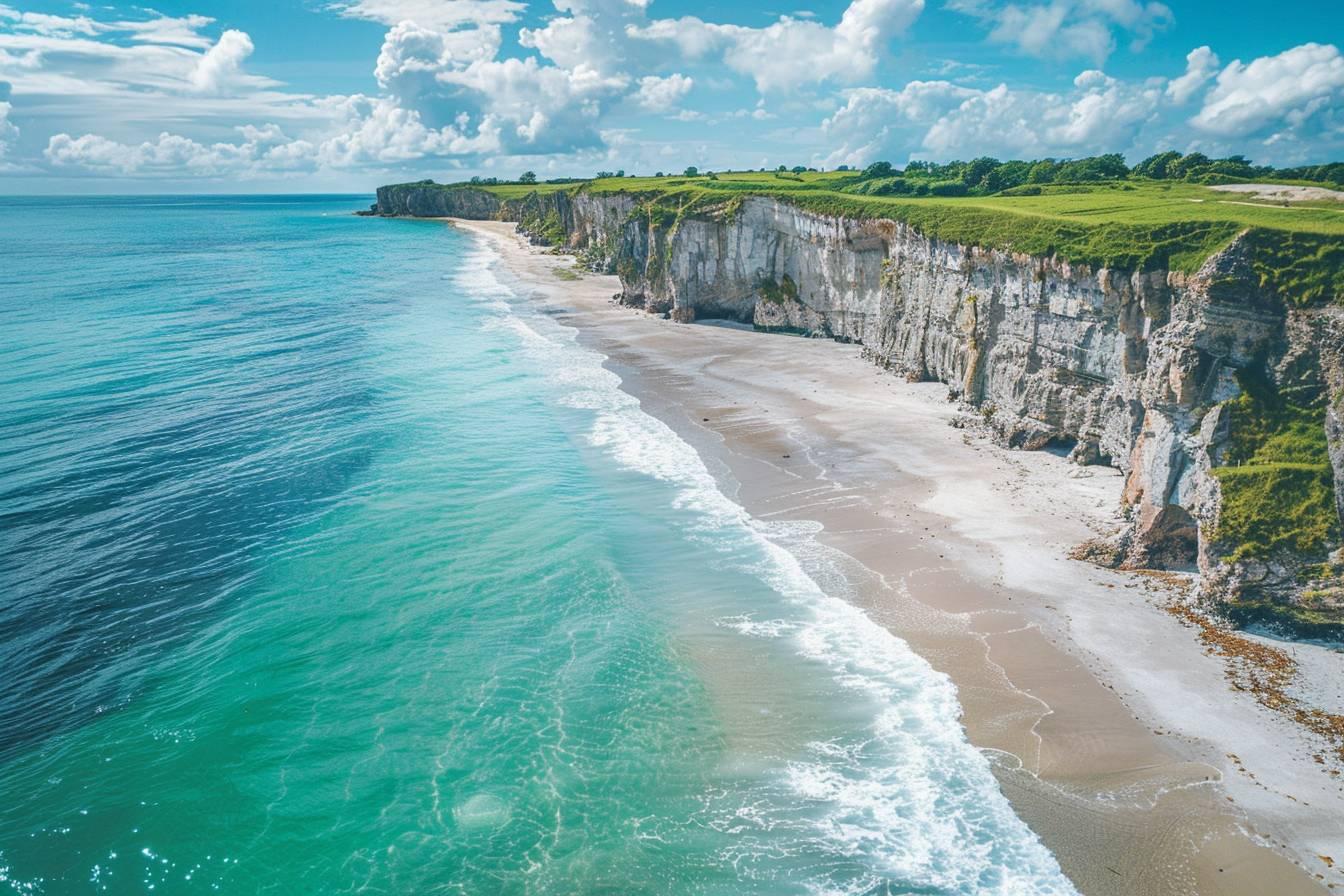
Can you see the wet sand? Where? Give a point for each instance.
(1114, 733)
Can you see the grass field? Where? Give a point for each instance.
(1298, 250)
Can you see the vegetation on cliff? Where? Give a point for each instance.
(1278, 503)
(1277, 482)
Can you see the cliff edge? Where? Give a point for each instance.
(1219, 395)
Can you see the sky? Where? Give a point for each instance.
(343, 95)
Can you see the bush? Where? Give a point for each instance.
(883, 186)
(948, 188)
(779, 293)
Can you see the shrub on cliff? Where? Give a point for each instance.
(1277, 482)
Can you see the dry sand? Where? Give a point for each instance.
(1117, 736)
(1282, 192)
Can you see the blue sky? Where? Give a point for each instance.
(201, 96)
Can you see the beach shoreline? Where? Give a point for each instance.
(1114, 732)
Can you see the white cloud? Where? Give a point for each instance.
(443, 15)
(1200, 65)
(662, 95)
(8, 131)
(447, 89)
(175, 30)
(368, 131)
(131, 61)
(538, 108)
(377, 130)
(446, 94)
(412, 58)
(944, 120)
(591, 33)
(43, 23)
(223, 62)
(261, 148)
(792, 52)
(1292, 101)
(183, 31)
(524, 106)
(1295, 90)
(1069, 28)
(877, 122)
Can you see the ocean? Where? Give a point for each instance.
(329, 563)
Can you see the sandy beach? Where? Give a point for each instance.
(1115, 730)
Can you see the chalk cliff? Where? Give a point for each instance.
(1222, 404)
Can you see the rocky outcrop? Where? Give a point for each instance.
(426, 200)
(1135, 369)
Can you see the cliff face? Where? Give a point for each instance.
(426, 201)
(1212, 396)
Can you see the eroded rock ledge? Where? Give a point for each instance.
(1223, 405)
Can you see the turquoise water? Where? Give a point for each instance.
(329, 565)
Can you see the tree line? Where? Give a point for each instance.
(985, 176)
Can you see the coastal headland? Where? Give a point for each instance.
(1154, 748)
(1184, 335)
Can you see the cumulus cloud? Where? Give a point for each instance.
(1291, 100)
(657, 94)
(877, 122)
(591, 33)
(222, 62)
(943, 120)
(412, 58)
(1200, 65)
(538, 108)
(368, 131)
(526, 106)
(792, 52)
(1069, 28)
(378, 130)
(1101, 113)
(266, 148)
(1296, 90)
(8, 131)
